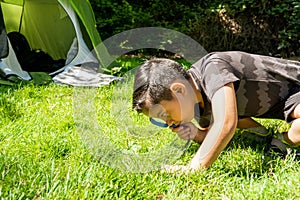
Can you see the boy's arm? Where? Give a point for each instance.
(225, 118)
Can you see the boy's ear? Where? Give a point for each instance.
(178, 88)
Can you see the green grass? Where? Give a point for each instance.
(42, 155)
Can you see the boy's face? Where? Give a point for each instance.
(177, 111)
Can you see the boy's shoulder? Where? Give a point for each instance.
(232, 57)
(236, 59)
(229, 56)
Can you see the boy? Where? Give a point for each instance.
(222, 91)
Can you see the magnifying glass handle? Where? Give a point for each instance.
(176, 126)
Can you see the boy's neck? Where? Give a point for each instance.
(197, 92)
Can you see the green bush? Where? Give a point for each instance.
(257, 26)
(120, 15)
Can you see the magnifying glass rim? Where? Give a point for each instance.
(160, 124)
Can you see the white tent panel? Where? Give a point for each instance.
(11, 66)
(84, 54)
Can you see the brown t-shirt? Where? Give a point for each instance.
(261, 82)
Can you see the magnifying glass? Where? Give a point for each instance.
(161, 123)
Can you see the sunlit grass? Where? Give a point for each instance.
(43, 157)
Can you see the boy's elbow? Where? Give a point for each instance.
(229, 126)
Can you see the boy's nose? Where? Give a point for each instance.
(170, 122)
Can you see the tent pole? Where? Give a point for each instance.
(21, 19)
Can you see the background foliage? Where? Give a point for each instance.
(255, 26)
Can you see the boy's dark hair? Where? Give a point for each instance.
(152, 82)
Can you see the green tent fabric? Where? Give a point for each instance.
(3, 38)
(85, 13)
(20, 12)
(64, 29)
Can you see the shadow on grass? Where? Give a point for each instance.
(251, 158)
(246, 158)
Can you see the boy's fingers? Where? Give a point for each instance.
(184, 132)
(186, 135)
(177, 129)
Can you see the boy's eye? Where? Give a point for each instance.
(164, 116)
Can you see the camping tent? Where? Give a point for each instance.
(64, 29)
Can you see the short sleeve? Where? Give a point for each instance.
(215, 75)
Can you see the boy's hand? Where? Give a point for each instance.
(187, 131)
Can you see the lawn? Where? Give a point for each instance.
(47, 151)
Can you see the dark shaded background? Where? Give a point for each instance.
(255, 26)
